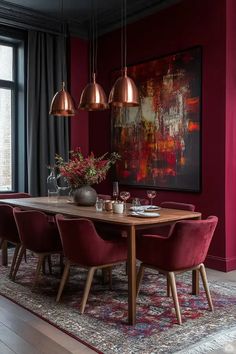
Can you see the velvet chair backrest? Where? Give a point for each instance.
(8, 229)
(188, 243)
(177, 205)
(14, 195)
(35, 231)
(80, 240)
(104, 196)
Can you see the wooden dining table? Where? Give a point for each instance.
(122, 221)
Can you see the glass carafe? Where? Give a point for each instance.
(52, 185)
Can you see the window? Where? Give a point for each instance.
(7, 94)
(12, 114)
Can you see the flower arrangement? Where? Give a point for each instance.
(80, 170)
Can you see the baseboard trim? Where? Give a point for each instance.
(220, 263)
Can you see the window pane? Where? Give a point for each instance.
(6, 60)
(5, 140)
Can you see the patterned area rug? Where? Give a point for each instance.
(104, 323)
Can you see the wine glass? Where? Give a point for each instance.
(115, 190)
(125, 196)
(151, 195)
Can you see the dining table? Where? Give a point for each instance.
(129, 222)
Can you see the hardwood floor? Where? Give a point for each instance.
(21, 332)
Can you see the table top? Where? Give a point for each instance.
(63, 206)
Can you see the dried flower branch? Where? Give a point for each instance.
(80, 170)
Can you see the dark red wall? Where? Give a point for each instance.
(187, 24)
(79, 78)
(230, 139)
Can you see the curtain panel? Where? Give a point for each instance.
(46, 135)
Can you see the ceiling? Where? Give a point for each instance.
(76, 13)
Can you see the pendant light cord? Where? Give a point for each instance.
(122, 36)
(96, 39)
(93, 39)
(125, 34)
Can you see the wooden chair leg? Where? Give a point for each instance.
(139, 278)
(18, 262)
(63, 280)
(171, 277)
(87, 288)
(195, 282)
(168, 288)
(17, 248)
(206, 286)
(38, 269)
(4, 252)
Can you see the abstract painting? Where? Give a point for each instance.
(159, 141)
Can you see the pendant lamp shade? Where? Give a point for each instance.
(124, 93)
(62, 103)
(93, 97)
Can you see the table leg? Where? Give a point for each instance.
(131, 276)
(4, 253)
(195, 282)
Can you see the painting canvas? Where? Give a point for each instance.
(159, 141)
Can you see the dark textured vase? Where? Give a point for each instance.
(85, 195)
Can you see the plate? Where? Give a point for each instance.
(145, 208)
(144, 214)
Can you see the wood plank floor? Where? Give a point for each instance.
(21, 332)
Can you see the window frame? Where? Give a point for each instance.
(17, 40)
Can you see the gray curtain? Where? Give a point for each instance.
(46, 135)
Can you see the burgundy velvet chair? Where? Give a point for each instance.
(14, 195)
(13, 234)
(83, 247)
(8, 232)
(184, 249)
(37, 234)
(104, 196)
(166, 229)
(177, 205)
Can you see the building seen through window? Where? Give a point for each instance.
(12, 113)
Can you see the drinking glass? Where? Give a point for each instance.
(99, 204)
(136, 202)
(125, 196)
(115, 190)
(151, 195)
(63, 186)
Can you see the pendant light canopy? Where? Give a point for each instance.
(93, 97)
(62, 103)
(124, 93)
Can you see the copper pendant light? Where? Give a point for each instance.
(124, 93)
(62, 103)
(93, 97)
